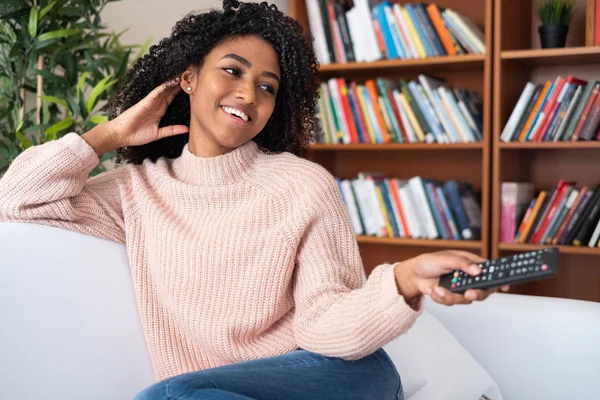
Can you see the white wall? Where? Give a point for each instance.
(155, 18)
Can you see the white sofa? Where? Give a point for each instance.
(69, 329)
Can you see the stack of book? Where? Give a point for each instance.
(374, 30)
(411, 208)
(567, 109)
(426, 110)
(566, 215)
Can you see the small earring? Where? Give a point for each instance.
(189, 88)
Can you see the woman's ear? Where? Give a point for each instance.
(187, 80)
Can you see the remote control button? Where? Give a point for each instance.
(500, 274)
(453, 285)
(456, 274)
(544, 267)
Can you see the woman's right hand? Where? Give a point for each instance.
(138, 125)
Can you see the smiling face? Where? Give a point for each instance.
(232, 96)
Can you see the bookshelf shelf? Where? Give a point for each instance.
(583, 250)
(562, 56)
(448, 63)
(550, 145)
(456, 244)
(396, 146)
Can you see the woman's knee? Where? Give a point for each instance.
(390, 376)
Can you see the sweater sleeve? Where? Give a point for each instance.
(336, 315)
(48, 184)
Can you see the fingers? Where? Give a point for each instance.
(446, 297)
(172, 130)
(474, 258)
(448, 261)
(440, 295)
(175, 90)
(467, 262)
(478, 294)
(167, 90)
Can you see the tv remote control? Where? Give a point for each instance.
(518, 268)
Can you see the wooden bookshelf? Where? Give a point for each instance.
(469, 162)
(517, 60)
(550, 145)
(465, 62)
(457, 244)
(582, 250)
(546, 57)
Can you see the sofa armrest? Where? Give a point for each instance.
(533, 347)
(69, 324)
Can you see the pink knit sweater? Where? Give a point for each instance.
(235, 257)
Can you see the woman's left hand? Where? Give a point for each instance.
(421, 274)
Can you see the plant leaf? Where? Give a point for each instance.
(46, 9)
(33, 22)
(15, 15)
(25, 143)
(97, 91)
(19, 126)
(48, 75)
(74, 106)
(81, 82)
(58, 34)
(56, 100)
(123, 67)
(59, 126)
(98, 119)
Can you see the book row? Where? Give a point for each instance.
(380, 110)
(411, 208)
(567, 109)
(373, 30)
(564, 215)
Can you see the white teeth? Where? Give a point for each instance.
(239, 113)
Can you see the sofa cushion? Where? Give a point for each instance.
(434, 365)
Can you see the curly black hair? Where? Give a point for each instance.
(292, 125)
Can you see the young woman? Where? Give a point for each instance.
(246, 269)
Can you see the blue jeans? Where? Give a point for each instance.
(299, 375)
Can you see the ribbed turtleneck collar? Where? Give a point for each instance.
(215, 171)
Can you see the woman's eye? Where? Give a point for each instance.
(232, 71)
(268, 88)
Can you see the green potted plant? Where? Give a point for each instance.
(57, 65)
(555, 16)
